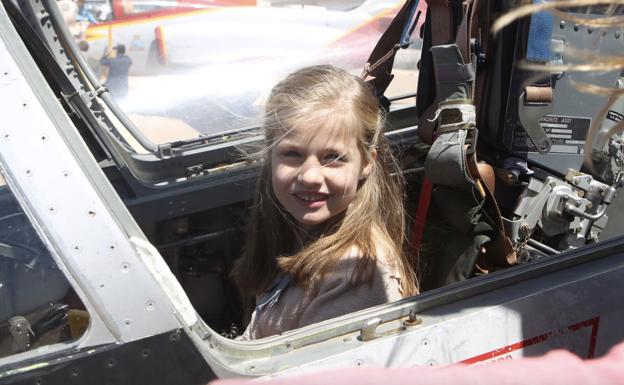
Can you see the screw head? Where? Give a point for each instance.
(174, 337)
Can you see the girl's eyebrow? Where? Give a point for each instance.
(289, 145)
(335, 149)
(287, 142)
(340, 150)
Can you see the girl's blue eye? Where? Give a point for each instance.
(291, 154)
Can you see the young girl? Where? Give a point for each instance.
(327, 227)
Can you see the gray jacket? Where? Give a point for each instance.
(333, 296)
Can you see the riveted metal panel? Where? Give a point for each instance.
(76, 211)
(572, 301)
(577, 309)
(168, 358)
(573, 111)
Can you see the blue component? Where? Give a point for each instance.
(408, 27)
(540, 34)
(272, 295)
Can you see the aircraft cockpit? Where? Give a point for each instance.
(124, 208)
(38, 307)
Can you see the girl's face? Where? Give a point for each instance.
(315, 176)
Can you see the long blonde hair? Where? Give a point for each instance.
(374, 221)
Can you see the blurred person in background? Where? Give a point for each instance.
(118, 68)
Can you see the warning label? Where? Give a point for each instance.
(567, 135)
(615, 116)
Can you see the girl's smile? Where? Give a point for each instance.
(311, 199)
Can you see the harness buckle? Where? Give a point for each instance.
(457, 114)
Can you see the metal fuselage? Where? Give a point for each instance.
(144, 328)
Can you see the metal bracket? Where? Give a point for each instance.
(369, 330)
(412, 319)
(20, 331)
(166, 151)
(530, 114)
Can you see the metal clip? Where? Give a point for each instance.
(369, 330)
(471, 141)
(165, 150)
(456, 115)
(20, 331)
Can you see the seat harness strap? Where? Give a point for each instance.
(451, 118)
(378, 68)
(452, 159)
(378, 73)
(441, 33)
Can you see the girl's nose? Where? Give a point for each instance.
(311, 173)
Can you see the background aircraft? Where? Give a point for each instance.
(225, 57)
(227, 33)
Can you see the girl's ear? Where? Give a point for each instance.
(368, 163)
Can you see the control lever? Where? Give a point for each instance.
(529, 113)
(54, 317)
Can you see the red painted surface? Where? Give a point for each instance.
(161, 45)
(593, 323)
(121, 7)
